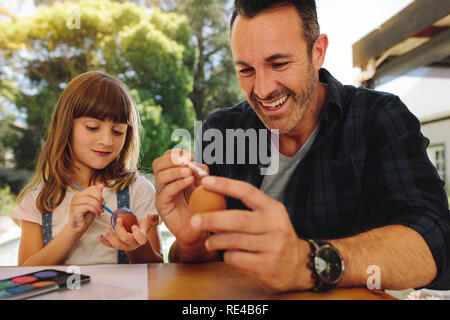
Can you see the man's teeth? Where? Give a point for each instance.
(275, 104)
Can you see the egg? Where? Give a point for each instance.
(127, 216)
(203, 200)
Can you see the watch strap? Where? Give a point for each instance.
(319, 285)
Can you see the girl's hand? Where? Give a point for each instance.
(84, 207)
(123, 240)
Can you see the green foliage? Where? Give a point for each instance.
(9, 137)
(215, 83)
(7, 200)
(14, 178)
(448, 193)
(157, 137)
(148, 50)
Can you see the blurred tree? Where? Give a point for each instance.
(9, 137)
(9, 133)
(7, 201)
(45, 2)
(5, 12)
(148, 50)
(215, 83)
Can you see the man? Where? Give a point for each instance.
(355, 191)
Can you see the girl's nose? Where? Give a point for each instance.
(106, 137)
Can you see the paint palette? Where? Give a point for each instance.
(36, 283)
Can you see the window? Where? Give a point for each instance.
(436, 154)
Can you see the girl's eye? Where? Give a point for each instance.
(117, 133)
(91, 128)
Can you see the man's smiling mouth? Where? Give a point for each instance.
(276, 104)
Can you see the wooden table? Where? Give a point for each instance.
(218, 281)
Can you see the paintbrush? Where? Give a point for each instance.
(200, 171)
(104, 207)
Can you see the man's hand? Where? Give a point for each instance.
(177, 182)
(261, 241)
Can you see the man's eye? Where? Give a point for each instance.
(246, 71)
(279, 65)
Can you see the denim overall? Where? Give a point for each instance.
(123, 201)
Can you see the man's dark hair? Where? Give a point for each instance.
(305, 8)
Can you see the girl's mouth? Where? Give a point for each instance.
(101, 153)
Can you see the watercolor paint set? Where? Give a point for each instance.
(36, 283)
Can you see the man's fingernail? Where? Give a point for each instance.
(196, 222)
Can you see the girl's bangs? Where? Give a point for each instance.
(103, 99)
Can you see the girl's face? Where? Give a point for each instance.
(96, 143)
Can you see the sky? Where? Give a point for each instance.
(345, 22)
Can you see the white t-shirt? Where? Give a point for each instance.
(89, 250)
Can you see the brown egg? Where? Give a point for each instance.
(202, 200)
(127, 216)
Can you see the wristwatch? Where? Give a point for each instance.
(327, 265)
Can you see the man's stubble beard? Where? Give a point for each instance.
(300, 104)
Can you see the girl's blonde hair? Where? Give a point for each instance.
(92, 94)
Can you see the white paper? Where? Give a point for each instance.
(108, 282)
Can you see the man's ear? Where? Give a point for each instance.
(319, 51)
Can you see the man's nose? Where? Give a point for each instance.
(265, 85)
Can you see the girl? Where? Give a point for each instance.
(93, 142)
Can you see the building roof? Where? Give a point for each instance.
(417, 36)
(436, 118)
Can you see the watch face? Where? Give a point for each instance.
(329, 265)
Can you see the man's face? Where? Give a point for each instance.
(273, 66)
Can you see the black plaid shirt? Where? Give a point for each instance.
(367, 168)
